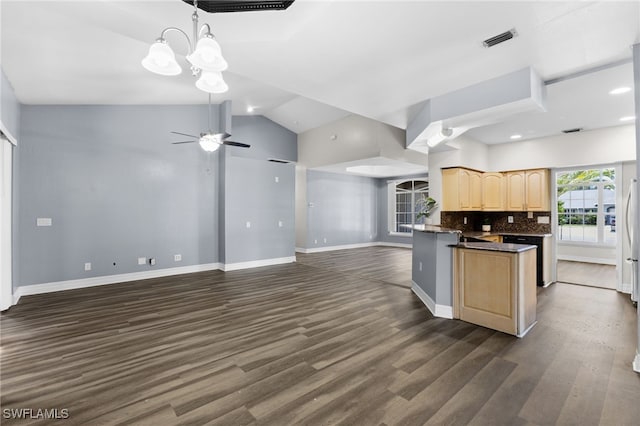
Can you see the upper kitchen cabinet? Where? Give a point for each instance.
(461, 189)
(528, 190)
(493, 198)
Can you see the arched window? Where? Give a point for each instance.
(406, 203)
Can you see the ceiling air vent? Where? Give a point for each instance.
(577, 129)
(507, 35)
(240, 5)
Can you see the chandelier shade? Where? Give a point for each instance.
(204, 56)
(212, 82)
(161, 60)
(208, 56)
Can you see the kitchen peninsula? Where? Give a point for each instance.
(489, 284)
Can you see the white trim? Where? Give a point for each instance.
(351, 246)
(400, 234)
(527, 330)
(8, 134)
(442, 311)
(257, 263)
(636, 363)
(625, 288)
(601, 260)
(27, 290)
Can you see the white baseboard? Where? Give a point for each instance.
(257, 263)
(442, 311)
(625, 288)
(587, 259)
(351, 246)
(27, 290)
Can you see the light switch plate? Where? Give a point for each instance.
(43, 221)
(142, 261)
(87, 266)
(280, 224)
(248, 224)
(510, 219)
(529, 215)
(277, 179)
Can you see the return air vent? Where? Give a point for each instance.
(576, 130)
(240, 6)
(507, 35)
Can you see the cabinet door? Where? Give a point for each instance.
(450, 190)
(492, 192)
(475, 190)
(537, 190)
(515, 191)
(485, 291)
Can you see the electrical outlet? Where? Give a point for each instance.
(277, 179)
(315, 241)
(510, 219)
(248, 224)
(43, 221)
(142, 261)
(87, 266)
(529, 215)
(280, 224)
(152, 261)
(420, 266)
(325, 240)
(177, 257)
(464, 220)
(543, 219)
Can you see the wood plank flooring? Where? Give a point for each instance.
(335, 339)
(591, 274)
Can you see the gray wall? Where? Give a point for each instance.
(115, 189)
(254, 196)
(267, 139)
(9, 107)
(344, 209)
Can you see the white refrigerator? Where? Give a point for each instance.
(631, 211)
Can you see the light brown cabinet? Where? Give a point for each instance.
(493, 195)
(528, 190)
(462, 189)
(495, 289)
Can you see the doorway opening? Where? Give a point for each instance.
(587, 235)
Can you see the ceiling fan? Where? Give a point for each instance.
(210, 141)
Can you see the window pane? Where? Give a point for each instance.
(421, 185)
(406, 186)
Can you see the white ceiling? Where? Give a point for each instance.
(319, 61)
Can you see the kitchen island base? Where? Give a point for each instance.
(495, 286)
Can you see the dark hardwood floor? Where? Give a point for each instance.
(336, 338)
(591, 274)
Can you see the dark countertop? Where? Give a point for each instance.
(479, 234)
(505, 247)
(437, 229)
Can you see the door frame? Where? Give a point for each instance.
(8, 143)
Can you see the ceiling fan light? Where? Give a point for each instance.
(212, 82)
(161, 59)
(209, 143)
(208, 55)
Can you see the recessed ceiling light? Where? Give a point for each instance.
(515, 136)
(620, 90)
(250, 109)
(628, 118)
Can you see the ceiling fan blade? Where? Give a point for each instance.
(177, 143)
(184, 134)
(240, 144)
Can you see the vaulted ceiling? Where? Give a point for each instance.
(322, 60)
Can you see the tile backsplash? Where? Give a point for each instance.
(499, 221)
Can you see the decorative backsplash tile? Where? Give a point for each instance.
(498, 220)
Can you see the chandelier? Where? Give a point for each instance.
(206, 58)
